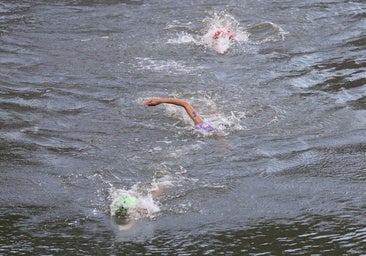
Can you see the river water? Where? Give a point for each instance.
(284, 173)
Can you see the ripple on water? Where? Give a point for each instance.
(307, 235)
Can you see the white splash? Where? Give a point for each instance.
(224, 124)
(184, 38)
(220, 33)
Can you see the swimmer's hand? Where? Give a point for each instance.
(152, 102)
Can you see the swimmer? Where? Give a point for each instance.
(199, 123)
(128, 208)
(223, 34)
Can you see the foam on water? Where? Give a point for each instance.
(184, 38)
(225, 124)
(167, 66)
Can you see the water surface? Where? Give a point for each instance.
(283, 175)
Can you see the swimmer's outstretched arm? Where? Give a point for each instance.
(193, 114)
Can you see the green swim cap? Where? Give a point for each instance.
(124, 203)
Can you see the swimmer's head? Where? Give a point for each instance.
(123, 204)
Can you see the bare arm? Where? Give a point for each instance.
(193, 114)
